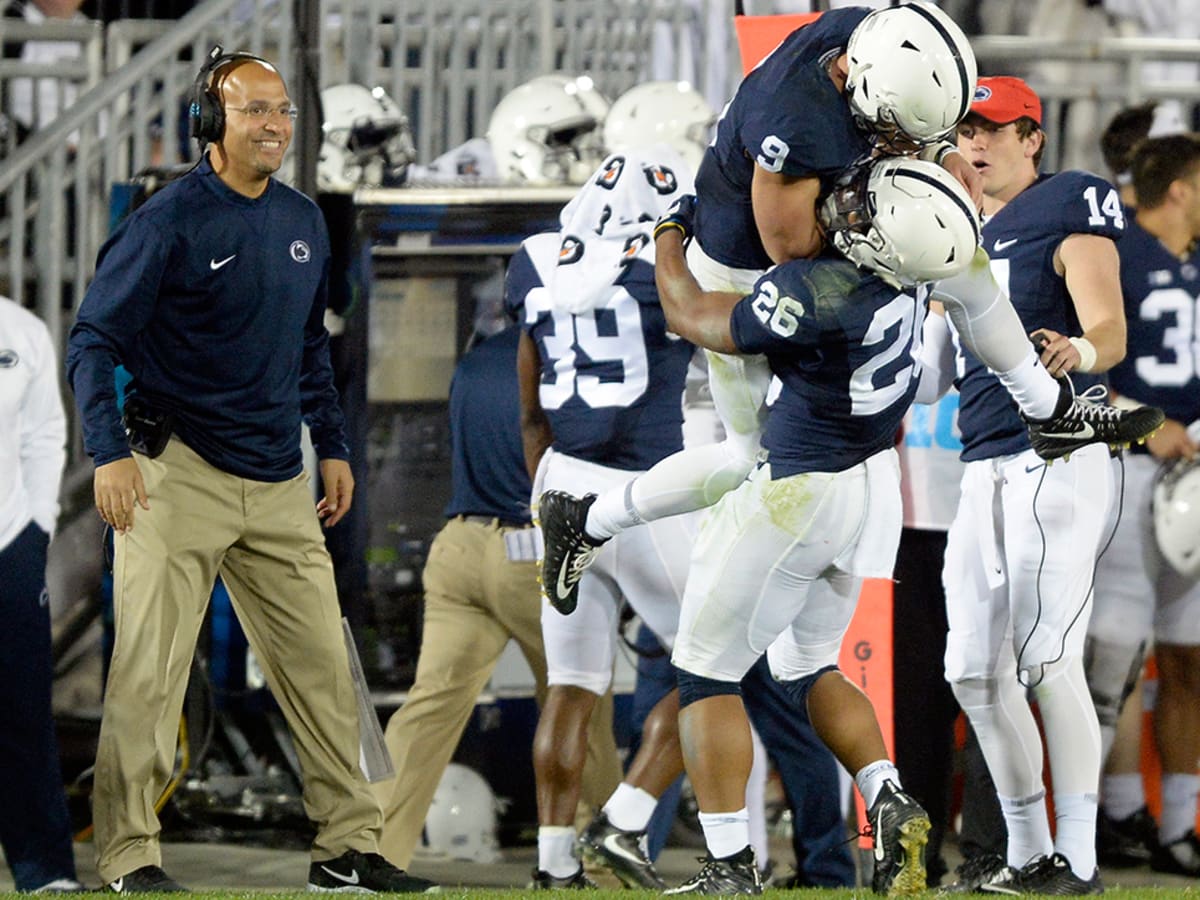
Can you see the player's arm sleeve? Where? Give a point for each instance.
(785, 212)
(118, 305)
(937, 358)
(43, 436)
(319, 404)
(536, 434)
(1092, 270)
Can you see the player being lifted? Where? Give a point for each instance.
(852, 81)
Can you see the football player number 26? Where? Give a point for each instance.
(625, 347)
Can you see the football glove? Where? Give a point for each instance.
(681, 215)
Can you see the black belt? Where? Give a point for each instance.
(493, 521)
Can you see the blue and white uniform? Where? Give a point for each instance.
(787, 116)
(1139, 594)
(1021, 240)
(612, 387)
(1018, 516)
(783, 555)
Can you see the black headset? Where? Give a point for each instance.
(206, 114)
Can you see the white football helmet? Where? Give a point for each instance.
(911, 73)
(906, 220)
(366, 142)
(461, 823)
(549, 131)
(1176, 505)
(661, 112)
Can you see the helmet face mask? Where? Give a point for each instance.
(908, 221)
(367, 141)
(549, 131)
(911, 75)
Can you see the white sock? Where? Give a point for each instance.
(1178, 816)
(1028, 828)
(612, 512)
(756, 800)
(1075, 831)
(1123, 794)
(870, 779)
(556, 850)
(1034, 389)
(630, 808)
(726, 833)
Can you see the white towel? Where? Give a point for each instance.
(610, 222)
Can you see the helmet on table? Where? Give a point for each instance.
(548, 131)
(366, 139)
(667, 112)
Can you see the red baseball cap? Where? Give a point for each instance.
(1003, 99)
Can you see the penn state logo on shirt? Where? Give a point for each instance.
(300, 252)
(661, 179)
(571, 250)
(9, 358)
(611, 173)
(983, 92)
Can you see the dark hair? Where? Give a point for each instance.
(1122, 135)
(1159, 162)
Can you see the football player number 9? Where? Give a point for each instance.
(772, 153)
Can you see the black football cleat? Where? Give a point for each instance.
(568, 548)
(621, 852)
(1083, 419)
(544, 881)
(737, 874)
(1052, 875)
(900, 828)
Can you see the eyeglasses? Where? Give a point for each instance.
(261, 111)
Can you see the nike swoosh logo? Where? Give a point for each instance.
(214, 265)
(118, 884)
(1087, 431)
(1003, 245)
(611, 844)
(1029, 469)
(561, 587)
(352, 878)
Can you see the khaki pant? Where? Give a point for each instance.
(265, 542)
(475, 600)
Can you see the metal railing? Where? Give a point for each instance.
(1087, 83)
(447, 64)
(62, 78)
